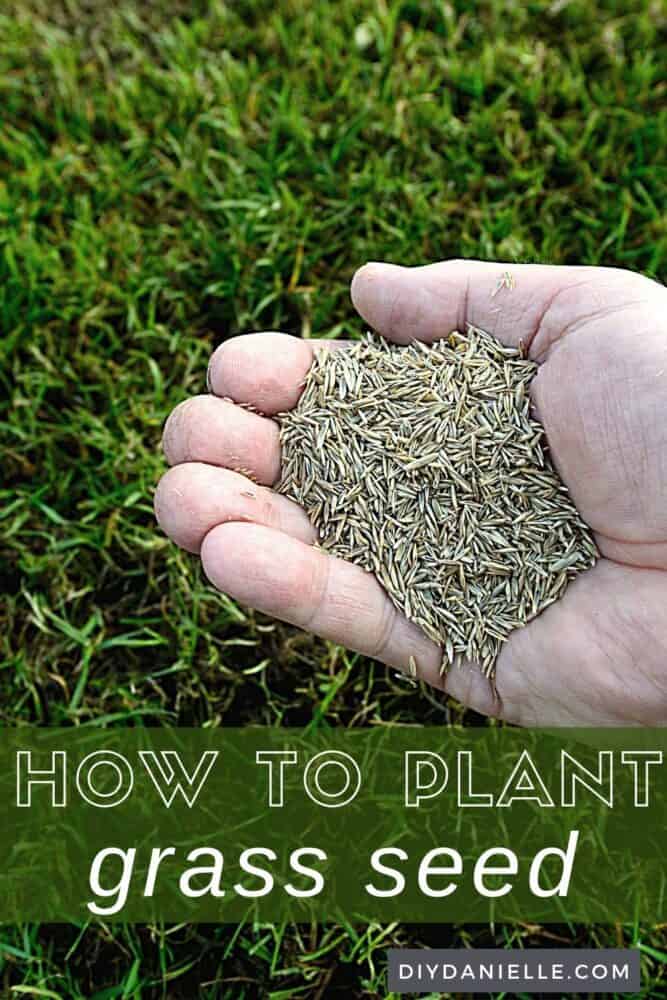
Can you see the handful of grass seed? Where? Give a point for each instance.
(423, 465)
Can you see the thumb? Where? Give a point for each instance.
(531, 304)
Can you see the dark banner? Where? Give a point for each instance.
(410, 824)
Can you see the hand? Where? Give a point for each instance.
(599, 655)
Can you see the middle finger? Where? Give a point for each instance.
(217, 432)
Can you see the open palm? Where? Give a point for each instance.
(599, 655)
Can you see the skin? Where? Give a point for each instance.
(596, 657)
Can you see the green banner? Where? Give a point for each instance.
(411, 824)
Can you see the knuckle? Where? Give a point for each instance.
(179, 437)
(398, 314)
(385, 632)
(167, 495)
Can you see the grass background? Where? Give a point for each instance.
(172, 174)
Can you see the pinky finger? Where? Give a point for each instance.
(297, 583)
(303, 585)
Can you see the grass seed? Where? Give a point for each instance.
(424, 465)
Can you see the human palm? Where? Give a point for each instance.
(598, 655)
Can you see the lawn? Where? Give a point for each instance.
(172, 174)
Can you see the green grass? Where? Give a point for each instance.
(172, 174)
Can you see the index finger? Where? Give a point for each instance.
(264, 370)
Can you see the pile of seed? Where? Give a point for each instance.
(423, 465)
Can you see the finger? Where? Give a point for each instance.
(192, 498)
(215, 431)
(265, 370)
(337, 600)
(518, 303)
